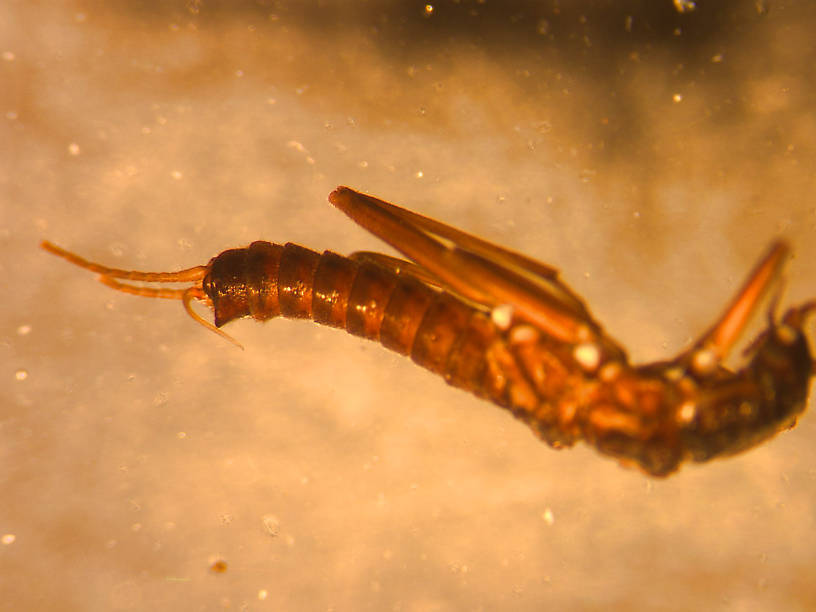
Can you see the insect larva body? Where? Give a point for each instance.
(438, 331)
(504, 327)
(657, 414)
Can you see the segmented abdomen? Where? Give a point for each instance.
(438, 331)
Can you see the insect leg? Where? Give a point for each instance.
(108, 276)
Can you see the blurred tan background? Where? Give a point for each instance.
(649, 154)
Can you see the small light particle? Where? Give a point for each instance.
(8, 538)
(73, 149)
(8, 56)
(716, 59)
(420, 174)
(23, 330)
(263, 594)
(684, 6)
(176, 175)
(181, 435)
(272, 524)
(21, 374)
(677, 98)
(548, 517)
(429, 9)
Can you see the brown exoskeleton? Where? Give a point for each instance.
(506, 328)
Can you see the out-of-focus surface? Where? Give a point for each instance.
(649, 154)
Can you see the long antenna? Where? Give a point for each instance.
(108, 275)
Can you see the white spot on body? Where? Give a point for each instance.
(610, 371)
(523, 334)
(687, 412)
(502, 316)
(588, 355)
(704, 361)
